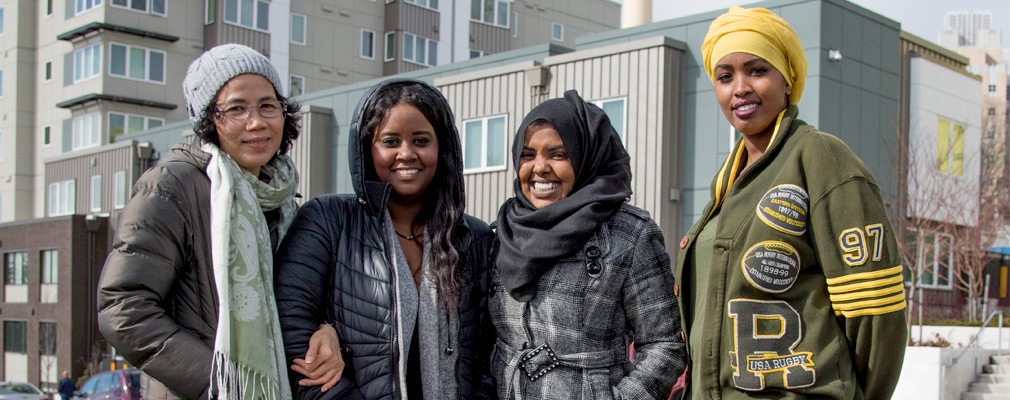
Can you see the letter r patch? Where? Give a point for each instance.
(765, 333)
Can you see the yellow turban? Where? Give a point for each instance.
(759, 32)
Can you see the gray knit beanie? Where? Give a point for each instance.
(215, 67)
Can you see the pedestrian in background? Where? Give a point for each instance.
(187, 292)
(792, 281)
(66, 387)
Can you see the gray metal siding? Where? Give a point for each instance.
(489, 39)
(311, 153)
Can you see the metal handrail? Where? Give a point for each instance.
(955, 360)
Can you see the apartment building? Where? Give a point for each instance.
(77, 74)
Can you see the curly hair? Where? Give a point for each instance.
(207, 131)
(444, 198)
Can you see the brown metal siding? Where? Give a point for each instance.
(312, 153)
(82, 168)
(489, 39)
(418, 20)
(228, 33)
(404, 17)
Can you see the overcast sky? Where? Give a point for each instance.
(922, 18)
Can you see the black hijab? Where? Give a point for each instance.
(532, 240)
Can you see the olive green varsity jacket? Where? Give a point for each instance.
(805, 293)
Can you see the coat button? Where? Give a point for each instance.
(526, 345)
(347, 350)
(593, 268)
(593, 252)
(448, 351)
(683, 242)
(676, 289)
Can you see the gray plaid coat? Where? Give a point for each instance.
(571, 340)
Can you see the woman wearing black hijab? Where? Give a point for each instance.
(580, 274)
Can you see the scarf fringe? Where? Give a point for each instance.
(235, 382)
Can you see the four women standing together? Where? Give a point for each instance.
(790, 284)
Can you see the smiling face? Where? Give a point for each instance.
(751, 93)
(252, 141)
(405, 152)
(545, 171)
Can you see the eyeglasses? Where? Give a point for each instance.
(238, 112)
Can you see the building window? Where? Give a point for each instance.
(120, 124)
(476, 54)
(50, 266)
(950, 146)
(49, 290)
(96, 193)
(85, 5)
(48, 376)
(992, 89)
(991, 134)
(85, 131)
(515, 24)
(1, 20)
(615, 110)
(296, 86)
(992, 110)
(431, 4)
(61, 198)
(484, 144)
(119, 192)
(935, 261)
(16, 277)
(142, 6)
(49, 8)
(47, 135)
(367, 44)
(87, 62)
(16, 268)
(133, 62)
(209, 11)
(253, 14)
(47, 72)
(298, 29)
(494, 12)
(390, 47)
(557, 32)
(419, 50)
(15, 336)
(1, 83)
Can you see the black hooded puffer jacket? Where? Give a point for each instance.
(333, 267)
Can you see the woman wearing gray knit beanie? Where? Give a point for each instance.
(187, 292)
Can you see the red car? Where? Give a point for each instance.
(121, 384)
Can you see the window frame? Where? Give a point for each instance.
(3, 17)
(209, 11)
(623, 132)
(96, 194)
(7, 265)
(389, 50)
(413, 49)
(305, 29)
(149, 7)
(291, 79)
(49, 262)
(147, 63)
(95, 4)
(47, 69)
(361, 44)
(63, 195)
(126, 123)
(560, 38)
(76, 134)
(426, 6)
(97, 69)
(238, 15)
(950, 164)
(48, 8)
(484, 144)
(920, 253)
(120, 193)
(47, 135)
(495, 15)
(24, 336)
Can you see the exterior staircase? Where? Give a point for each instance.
(993, 383)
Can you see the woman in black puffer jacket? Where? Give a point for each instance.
(397, 268)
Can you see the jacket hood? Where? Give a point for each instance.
(374, 194)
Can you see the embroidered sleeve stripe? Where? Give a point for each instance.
(869, 303)
(873, 311)
(879, 283)
(865, 294)
(864, 275)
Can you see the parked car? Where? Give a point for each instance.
(21, 391)
(121, 384)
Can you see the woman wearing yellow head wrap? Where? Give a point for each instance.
(792, 283)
